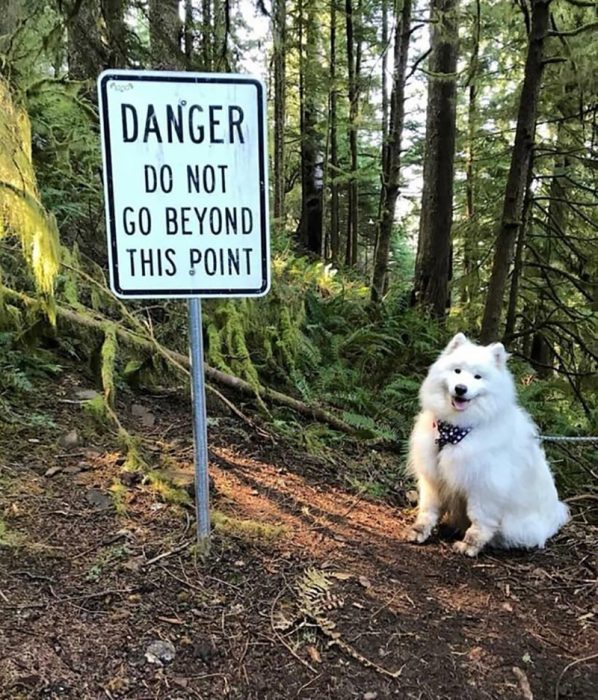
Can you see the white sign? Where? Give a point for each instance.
(185, 175)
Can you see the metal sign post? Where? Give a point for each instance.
(186, 189)
(200, 433)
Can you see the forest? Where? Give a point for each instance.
(433, 169)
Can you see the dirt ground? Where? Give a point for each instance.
(310, 590)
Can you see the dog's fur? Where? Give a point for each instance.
(495, 484)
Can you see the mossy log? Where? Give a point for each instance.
(91, 319)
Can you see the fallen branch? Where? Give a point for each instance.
(181, 362)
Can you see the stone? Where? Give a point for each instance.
(70, 440)
(160, 652)
(98, 498)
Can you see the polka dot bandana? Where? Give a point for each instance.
(449, 434)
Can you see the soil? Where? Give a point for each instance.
(309, 590)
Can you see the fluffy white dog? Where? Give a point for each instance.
(477, 456)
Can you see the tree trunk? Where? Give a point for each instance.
(518, 261)
(311, 223)
(334, 164)
(518, 172)
(85, 52)
(392, 153)
(113, 12)
(165, 34)
(207, 31)
(188, 32)
(433, 261)
(470, 287)
(279, 34)
(353, 61)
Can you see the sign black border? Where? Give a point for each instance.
(106, 78)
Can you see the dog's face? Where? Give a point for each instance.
(468, 383)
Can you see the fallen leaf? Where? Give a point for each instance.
(313, 654)
(52, 471)
(364, 582)
(340, 575)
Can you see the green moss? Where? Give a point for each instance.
(244, 528)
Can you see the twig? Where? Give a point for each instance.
(567, 667)
(167, 554)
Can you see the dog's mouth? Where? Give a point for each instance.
(459, 403)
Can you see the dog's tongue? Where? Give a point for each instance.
(460, 404)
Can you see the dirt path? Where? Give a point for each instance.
(310, 590)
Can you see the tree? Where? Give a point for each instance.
(279, 38)
(165, 34)
(392, 152)
(333, 168)
(433, 262)
(113, 12)
(518, 172)
(353, 67)
(311, 223)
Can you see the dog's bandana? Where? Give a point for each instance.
(449, 434)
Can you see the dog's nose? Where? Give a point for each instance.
(460, 390)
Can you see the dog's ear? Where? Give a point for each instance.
(499, 354)
(458, 340)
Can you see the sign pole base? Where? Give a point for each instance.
(200, 435)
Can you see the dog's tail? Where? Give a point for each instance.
(562, 515)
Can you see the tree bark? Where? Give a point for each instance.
(334, 162)
(392, 153)
(165, 34)
(311, 223)
(518, 172)
(433, 261)
(86, 54)
(279, 34)
(470, 244)
(113, 12)
(188, 33)
(353, 61)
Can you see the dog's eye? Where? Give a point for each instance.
(457, 371)
(477, 376)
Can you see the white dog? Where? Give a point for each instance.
(477, 456)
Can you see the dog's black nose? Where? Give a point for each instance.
(460, 390)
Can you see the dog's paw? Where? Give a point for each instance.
(470, 550)
(419, 533)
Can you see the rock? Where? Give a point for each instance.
(98, 498)
(70, 440)
(86, 394)
(73, 469)
(371, 695)
(364, 582)
(148, 420)
(52, 471)
(160, 652)
(130, 478)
